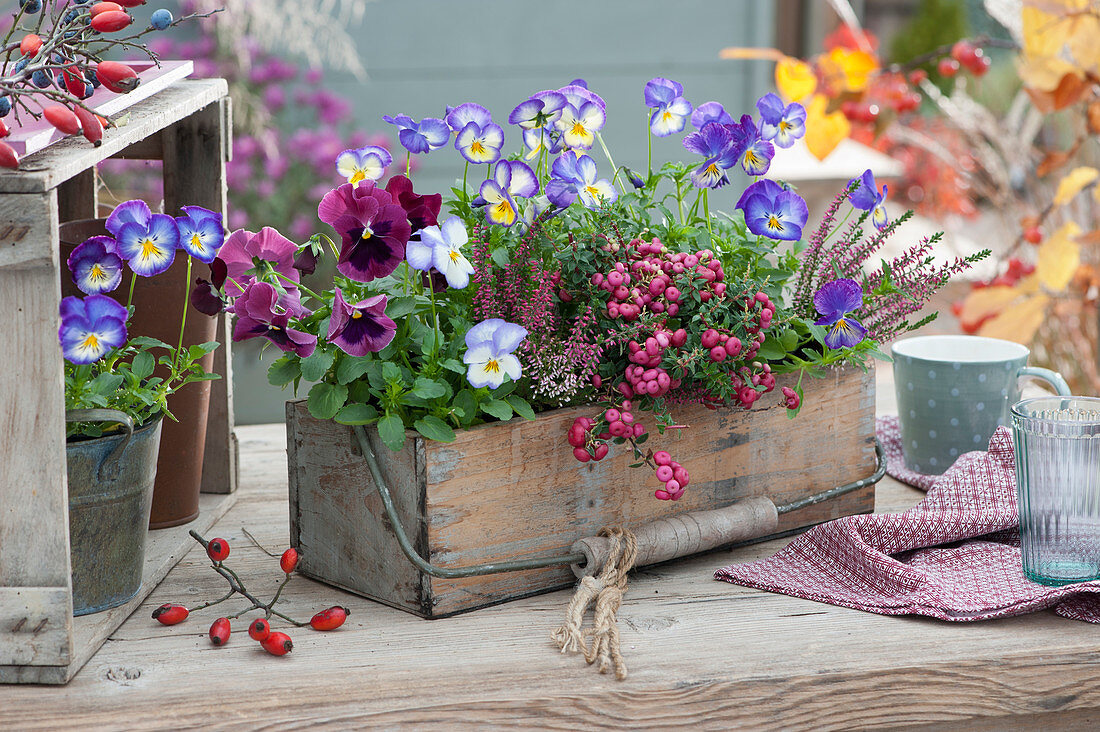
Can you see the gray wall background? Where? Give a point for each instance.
(421, 55)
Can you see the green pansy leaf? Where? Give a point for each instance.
(426, 388)
(325, 400)
(391, 373)
(283, 371)
(357, 414)
(434, 428)
(392, 431)
(148, 342)
(315, 366)
(142, 365)
(351, 368)
(521, 406)
(497, 408)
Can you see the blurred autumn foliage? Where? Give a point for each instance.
(1028, 168)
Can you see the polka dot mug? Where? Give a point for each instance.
(953, 391)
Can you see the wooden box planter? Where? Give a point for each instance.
(513, 490)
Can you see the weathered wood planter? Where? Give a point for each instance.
(512, 490)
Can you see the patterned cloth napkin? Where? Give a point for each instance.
(888, 431)
(954, 556)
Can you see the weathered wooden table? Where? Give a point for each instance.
(186, 127)
(702, 654)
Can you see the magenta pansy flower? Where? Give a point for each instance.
(373, 228)
(361, 328)
(263, 312)
(242, 247)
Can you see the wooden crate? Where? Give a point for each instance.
(186, 126)
(512, 490)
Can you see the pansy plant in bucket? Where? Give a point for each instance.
(572, 281)
(106, 366)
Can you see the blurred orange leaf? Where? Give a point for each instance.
(742, 52)
(824, 131)
(1073, 183)
(980, 304)
(847, 69)
(1018, 322)
(1059, 256)
(1066, 90)
(1093, 116)
(794, 79)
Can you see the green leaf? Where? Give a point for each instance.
(434, 428)
(433, 342)
(351, 368)
(497, 408)
(465, 402)
(148, 342)
(399, 307)
(426, 388)
(789, 340)
(453, 364)
(500, 257)
(199, 350)
(105, 384)
(771, 350)
(315, 366)
(357, 414)
(284, 370)
(142, 365)
(521, 406)
(325, 400)
(391, 373)
(392, 431)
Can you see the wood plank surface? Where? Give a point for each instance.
(702, 654)
(47, 169)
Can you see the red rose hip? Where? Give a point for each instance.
(330, 619)
(259, 629)
(277, 644)
(289, 561)
(217, 550)
(219, 631)
(170, 614)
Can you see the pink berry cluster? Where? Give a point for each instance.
(646, 376)
(647, 281)
(672, 474)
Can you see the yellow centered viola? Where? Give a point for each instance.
(357, 176)
(355, 315)
(90, 342)
(476, 148)
(503, 211)
(149, 248)
(775, 223)
(367, 233)
(97, 273)
(492, 366)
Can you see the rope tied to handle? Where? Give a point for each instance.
(606, 590)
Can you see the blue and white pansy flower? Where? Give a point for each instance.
(91, 328)
(201, 233)
(95, 265)
(441, 247)
(489, 348)
(866, 197)
(147, 241)
(480, 144)
(782, 124)
(510, 179)
(670, 109)
(365, 163)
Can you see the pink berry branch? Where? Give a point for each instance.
(60, 61)
(274, 642)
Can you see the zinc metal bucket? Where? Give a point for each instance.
(110, 494)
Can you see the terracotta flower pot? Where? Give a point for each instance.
(159, 301)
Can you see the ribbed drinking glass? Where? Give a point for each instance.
(1058, 484)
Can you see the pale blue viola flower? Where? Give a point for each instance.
(670, 109)
(201, 233)
(147, 241)
(577, 95)
(866, 197)
(489, 353)
(836, 301)
(441, 247)
(91, 328)
(782, 124)
(578, 126)
(95, 265)
(773, 211)
(458, 117)
(715, 142)
(574, 176)
(710, 112)
(531, 211)
(541, 110)
(510, 179)
(540, 139)
(420, 137)
(480, 144)
(756, 152)
(365, 163)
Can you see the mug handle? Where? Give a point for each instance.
(1051, 377)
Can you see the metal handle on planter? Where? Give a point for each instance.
(578, 558)
(108, 469)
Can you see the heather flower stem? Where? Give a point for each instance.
(837, 228)
(609, 158)
(183, 322)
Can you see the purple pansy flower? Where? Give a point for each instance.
(420, 137)
(577, 95)
(836, 301)
(365, 163)
(710, 112)
(579, 125)
(670, 109)
(541, 110)
(720, 151)
(206, 295)
(243, 247)
(361, 328)
(574, 175)
(420, 209)
(510, 178)
(458, 117)
(441, 247)
(866, 197)
(95, 265)
(539, 139)
(773, 211)
(373, 228)
(782, 124)
(263, 313)
(756, 152)
(489, 348)
(201, 233)
(480, 144)
(147, 241)
(91, 327)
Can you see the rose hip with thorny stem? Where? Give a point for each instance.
(217, 550)
(259, 629)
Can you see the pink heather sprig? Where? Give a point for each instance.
(812, 254)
